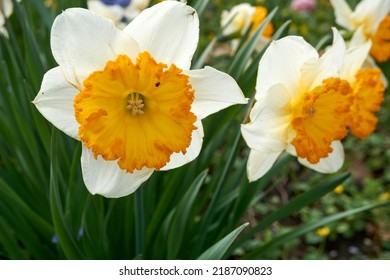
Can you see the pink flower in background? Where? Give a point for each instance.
(303, 5)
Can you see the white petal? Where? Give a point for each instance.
(329, 64)
(6, 8)
(55, 102)
(282, 62)
(354, 59)
(179, 159)
(83, 42)
(358, 38)
(169, 31)
(237, 19)
(259, 163)
(3, 31)
(371, 13)
(330, 164)
(276, 97)
(107, 179)
(214, 91)
(343, 13)
(268, 131)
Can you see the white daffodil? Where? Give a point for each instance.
(6, 9)
(129, 96)
(120, 11)
(301, 106)
(372, 16)
(244, 16)
(368, 90)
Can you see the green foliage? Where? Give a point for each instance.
(198, 211)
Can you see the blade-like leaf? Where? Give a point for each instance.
(179, 220)
(65, 238)
(241, 59)
(297, 203)
(217, 251)
(308, 227)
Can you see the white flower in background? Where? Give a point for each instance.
(302, 107)
(368, 90)
(6, 9)
(120, 11)
(243, 16)
(372, 17)
(129, 96)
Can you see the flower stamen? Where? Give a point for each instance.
(135, 103)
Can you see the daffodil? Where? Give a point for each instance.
(6, 9)
(368, 90)
(120, 11)
(244, 16)
(129, 96)
(302, 107)
(372, 16)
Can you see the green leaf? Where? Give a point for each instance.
(217, 251)
(242, 56)
(208, 218)
(10, 242)
(249, 190)
(308, 227)
(64, 233)
(200, 6)
(42, 226)
(139, 222)
(180, 217)
(297, 203)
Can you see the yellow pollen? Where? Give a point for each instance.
(368, 91)
(380, 49)
(137, 113)
(257, 18)
(320, 118)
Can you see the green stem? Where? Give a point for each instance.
(211, 209)
(139, 222)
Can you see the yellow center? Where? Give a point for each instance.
(257, 18)
(320, 118)
(136, 113)
(368, 90)
(380, 49)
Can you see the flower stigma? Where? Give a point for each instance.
(137, 113)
